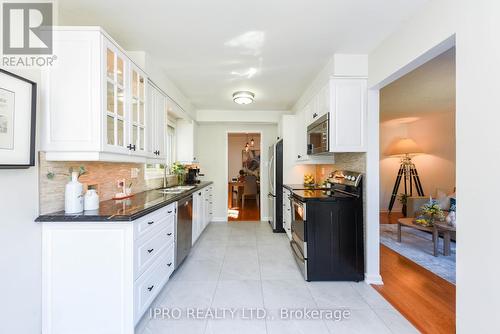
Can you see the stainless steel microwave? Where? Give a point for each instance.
(318, 136)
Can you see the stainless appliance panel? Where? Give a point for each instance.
(298, 218)
(318, 137)
(184, 229)
(300, 259)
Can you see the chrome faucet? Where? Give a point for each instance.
(165, 182)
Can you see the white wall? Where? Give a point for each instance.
(20, 246)
(236, 145)
(239, 116)
(212, 156)
(435, 134)
(476, 25)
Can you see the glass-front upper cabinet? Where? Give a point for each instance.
(116, 97)
(138, 108)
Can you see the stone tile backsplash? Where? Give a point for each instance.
(103, 174)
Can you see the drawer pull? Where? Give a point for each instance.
(151, 287)
(169, 234)
(151, 223)
(169, 211)
(151, 250)
(169, 264)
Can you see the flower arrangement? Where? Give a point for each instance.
(81, 171)
(430, 212)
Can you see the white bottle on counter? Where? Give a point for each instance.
(91, 200)
(73, 197)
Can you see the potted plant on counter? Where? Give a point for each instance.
(179, 170)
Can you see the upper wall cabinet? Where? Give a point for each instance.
(157, 122)
(345, 101)
(348, 112)
(95, 101)
(186, 132)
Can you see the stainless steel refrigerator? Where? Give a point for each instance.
(275, 195)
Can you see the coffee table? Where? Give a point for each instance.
(445, 230)
(436, 230)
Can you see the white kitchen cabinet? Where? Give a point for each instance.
(101, 277)
(202, 210)
(348, 112)
(287, 213)
(138, 112)
(157, 120)
(94, 100)
(186, 133)
(301, 134)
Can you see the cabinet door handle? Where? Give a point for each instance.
(315, 115)
(151, 223)
(151, 250)
(151, 287)
(169, 211)
(169, 234)
(299, 156)
(129, 146)
(158, 152)
(133, 147)
(169, 264)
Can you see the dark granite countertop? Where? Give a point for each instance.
(123, 210)
(318, 195)
(303, 187)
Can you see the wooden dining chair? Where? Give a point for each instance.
(250, 190)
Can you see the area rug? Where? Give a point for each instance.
(417, 246)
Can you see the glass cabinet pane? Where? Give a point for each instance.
(110, 122)
(110, 60)
(120, 70)
(134, 83)
(120, 132)
(142, 139)
(141, 88)
(142, 115)
(135, 116)
(111, 98)
(120, 99)
(134, 134)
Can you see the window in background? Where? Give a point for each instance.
(170, 145)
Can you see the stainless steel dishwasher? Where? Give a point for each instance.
(184, 229)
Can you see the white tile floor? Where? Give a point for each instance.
(245, 265)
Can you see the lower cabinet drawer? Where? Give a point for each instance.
(153, 221)
(147, 287)
(149, 248)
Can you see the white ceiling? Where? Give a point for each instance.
(211, 48)
(427, 89)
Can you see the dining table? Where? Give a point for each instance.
(230, 188)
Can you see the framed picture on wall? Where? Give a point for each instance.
(17, 121)
(250, 160)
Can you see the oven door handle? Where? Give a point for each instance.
(296, 251)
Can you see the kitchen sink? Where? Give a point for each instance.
(176, 189)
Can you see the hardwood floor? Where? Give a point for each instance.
(250, 213)
(386, 218)
(426, 300)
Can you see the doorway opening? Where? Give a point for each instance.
(244, 174)
(417, 193)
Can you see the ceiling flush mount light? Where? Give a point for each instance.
(243, 97)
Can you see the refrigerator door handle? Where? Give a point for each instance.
(271, 170)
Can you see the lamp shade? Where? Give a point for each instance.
(404, 146)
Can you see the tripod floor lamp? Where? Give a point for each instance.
(405, 147)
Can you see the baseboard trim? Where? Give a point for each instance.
(373, 279)
(219, 220)
(265, 219)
